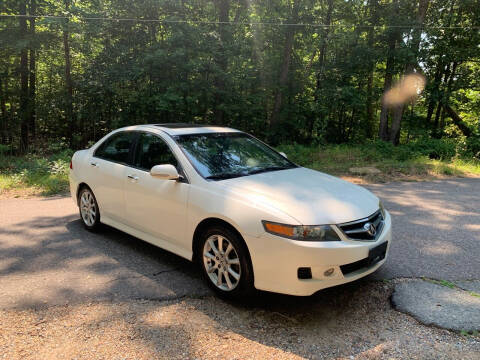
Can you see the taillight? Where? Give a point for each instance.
(71, 165)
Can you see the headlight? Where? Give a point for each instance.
(382, 210)
(301, 232)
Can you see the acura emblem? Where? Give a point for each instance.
(370, 229)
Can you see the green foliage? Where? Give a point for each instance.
(48, 175)
(472, 148)
(443, 283)
(420, 158)
(439, 149)
(4, 149)
(200, 68)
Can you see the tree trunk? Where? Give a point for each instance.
(434, 92)
(24, 103)
(435, 132)
(222, 61)
(323, 49)
(458, 121)
(387, 84)
(436, 123)
(414, 48)
(369, 105)
(3, 113)
(68, 81)
(321, 62)
(445, 97)
(287, 54)
(32, 111)
(397, 115)
(436, 95)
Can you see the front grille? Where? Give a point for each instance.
(359, 229)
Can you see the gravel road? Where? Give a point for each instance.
(65, 292)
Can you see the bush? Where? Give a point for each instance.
(48, 174)
(4, 149)
(438, 149)
(472, 147)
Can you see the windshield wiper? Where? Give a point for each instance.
(224, 176)
(269, 168)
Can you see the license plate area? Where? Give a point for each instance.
(377, 254)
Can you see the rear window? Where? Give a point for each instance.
(117, 148)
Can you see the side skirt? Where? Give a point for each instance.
(148, 238)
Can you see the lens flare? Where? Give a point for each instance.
(406, 89)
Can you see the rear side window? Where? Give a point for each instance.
(117, 147)
(151, 151)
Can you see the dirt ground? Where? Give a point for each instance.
(352, 321)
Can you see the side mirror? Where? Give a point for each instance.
(165, 172)
(283, 154)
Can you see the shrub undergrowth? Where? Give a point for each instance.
(46, 174)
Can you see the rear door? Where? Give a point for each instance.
(155, 206)
(108, 167)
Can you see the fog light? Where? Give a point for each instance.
(304, 273)
(329, 272)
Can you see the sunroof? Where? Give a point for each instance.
(180, 125)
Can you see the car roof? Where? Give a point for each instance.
(185, 129)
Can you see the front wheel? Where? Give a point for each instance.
(89, 212)
(225, 263)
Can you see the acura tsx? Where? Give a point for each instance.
(218, 196)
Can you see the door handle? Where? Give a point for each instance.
(94, 163)
(133, 177)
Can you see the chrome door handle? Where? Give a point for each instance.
(94, 163)
(133, 177)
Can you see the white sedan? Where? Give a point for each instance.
(218, 196)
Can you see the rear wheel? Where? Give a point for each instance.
(224, 259)
(89, 212)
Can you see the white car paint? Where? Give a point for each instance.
(166, 213)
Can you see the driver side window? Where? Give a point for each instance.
(151, 151)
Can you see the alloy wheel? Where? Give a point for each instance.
(88, 208)
(221, 262)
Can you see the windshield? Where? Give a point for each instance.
(226, 155)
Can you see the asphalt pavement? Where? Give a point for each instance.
(48, 258)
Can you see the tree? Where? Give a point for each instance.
(222, 59)
(301, 71)
(32, 70)
(284, 70)
(394, 135)
(68, 80)
(24, 95)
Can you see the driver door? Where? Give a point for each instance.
(155, 206)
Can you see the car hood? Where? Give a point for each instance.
(309, 196)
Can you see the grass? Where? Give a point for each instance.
(370, 162)
(474, 294)
(473, 333)
(34, 174)
(449, 285)
(442, 283)
(381, 162)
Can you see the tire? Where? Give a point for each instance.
(88, 208)
(225, 263)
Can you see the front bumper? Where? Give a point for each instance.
(276, 261)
